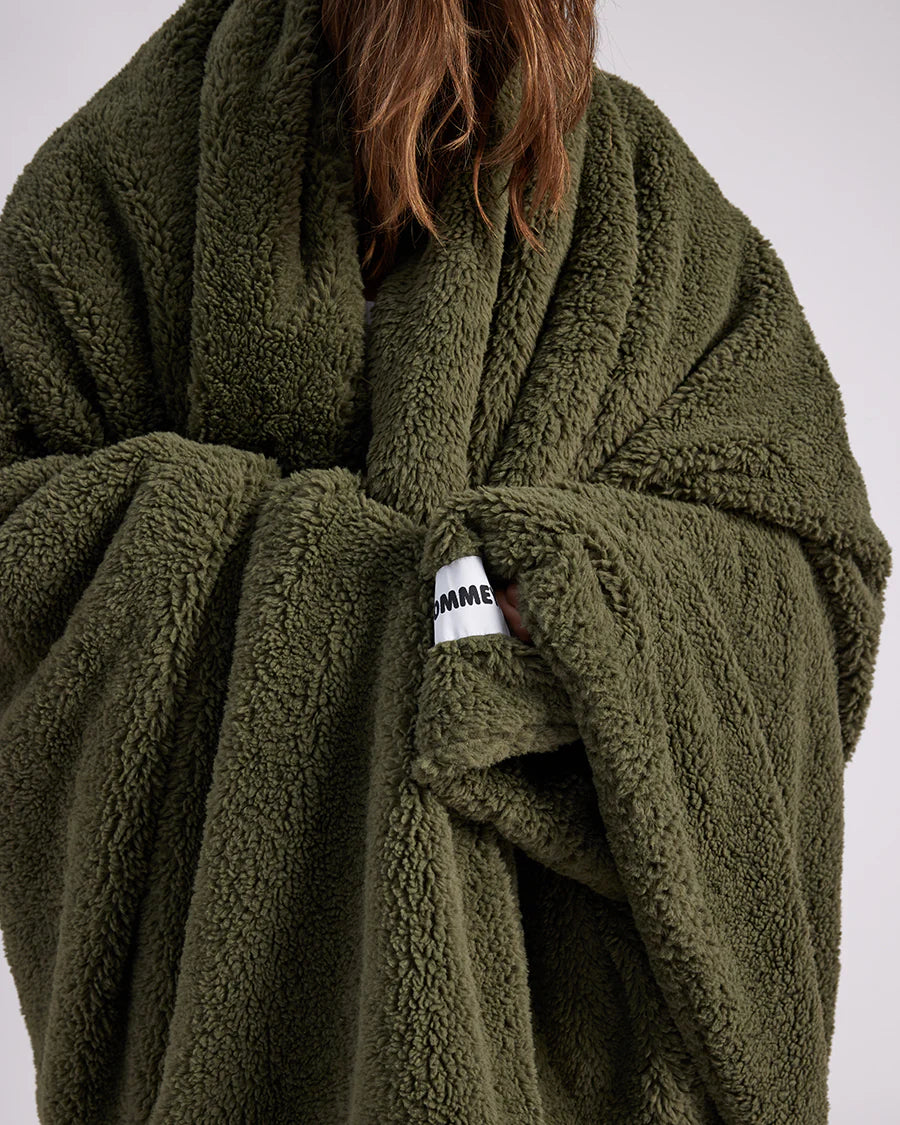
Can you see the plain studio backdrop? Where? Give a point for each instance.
(791, 107)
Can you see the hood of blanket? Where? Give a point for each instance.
(278, 361)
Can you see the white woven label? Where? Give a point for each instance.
(464, 601)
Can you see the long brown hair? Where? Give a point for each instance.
(422, 76)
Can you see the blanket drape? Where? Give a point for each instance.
(267, 853)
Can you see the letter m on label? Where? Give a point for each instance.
(448, 601)
(468, 595)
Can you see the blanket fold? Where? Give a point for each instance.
(711, 727)
(269, 854)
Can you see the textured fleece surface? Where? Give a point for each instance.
(266, 854)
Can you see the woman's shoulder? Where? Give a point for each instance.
(657, 155)
(634, 110)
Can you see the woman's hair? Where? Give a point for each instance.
(421, 78)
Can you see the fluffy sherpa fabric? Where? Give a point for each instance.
(267, 854)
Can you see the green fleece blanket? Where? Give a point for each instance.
(269, 854)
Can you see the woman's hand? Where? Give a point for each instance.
(507, 598)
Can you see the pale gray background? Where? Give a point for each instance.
(792, 108)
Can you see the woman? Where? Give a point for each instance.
(301, 821)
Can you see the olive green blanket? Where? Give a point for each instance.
(267, 853)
